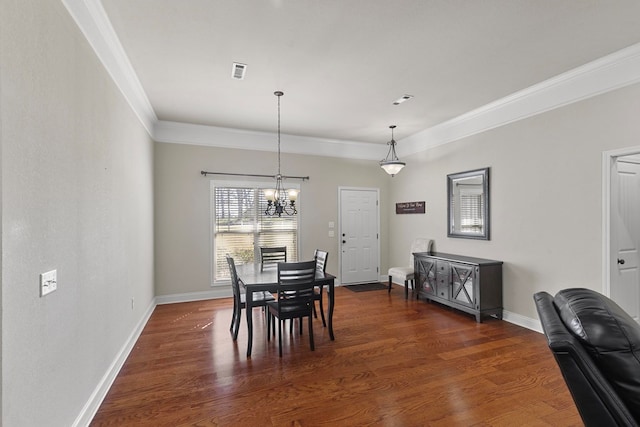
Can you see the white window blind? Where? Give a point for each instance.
(240, 226)
(471, 208)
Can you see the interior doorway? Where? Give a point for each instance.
(359, 231)
(621, 231)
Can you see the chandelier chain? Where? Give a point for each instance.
(279, 94)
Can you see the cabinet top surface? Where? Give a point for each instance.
(458, 258)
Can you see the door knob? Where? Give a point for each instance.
(620, 261)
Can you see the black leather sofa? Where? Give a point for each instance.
(597, 347)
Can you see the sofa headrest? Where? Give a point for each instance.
(610, 336)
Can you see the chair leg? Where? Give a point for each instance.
(315, 313)
(280, 336)
(324, 323)
(300, 326)
(273, 324)
(233, 317)
(406, 289)
(268, 325)
(389, 285)
(237, 326)
(310, 332)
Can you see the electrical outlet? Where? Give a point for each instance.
(48, 282)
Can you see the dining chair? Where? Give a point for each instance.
(406, 272)
(296, 281)
(239, 298)
(272, 255)
(321, 265)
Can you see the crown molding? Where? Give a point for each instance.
(619, 69)
(92, 20)
(211, 136)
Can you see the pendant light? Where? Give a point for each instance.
(280, 200)
(391, 164)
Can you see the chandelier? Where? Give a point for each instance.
(391, 164)
(280, 200)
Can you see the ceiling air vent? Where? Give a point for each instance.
(238, 70)
(402, 99)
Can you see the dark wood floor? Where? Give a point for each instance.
(393, 363)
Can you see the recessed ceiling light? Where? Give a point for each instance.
(402, 99)
(238, 71)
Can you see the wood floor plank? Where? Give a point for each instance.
(394, 362)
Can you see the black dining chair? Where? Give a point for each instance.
(296, 281)
(321, 265)
(272, 255)
(239, 298)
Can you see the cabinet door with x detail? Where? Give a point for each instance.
(425, 275)
(463, 290)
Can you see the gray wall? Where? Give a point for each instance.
(78, 175)
(546, 195)
(182, 209)
(77, 196)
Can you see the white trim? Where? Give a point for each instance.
(215, 293)
(92, 20)
(608, 159)
(520, 320)
(95, 400)
(619, 69)
(100, 392)
(608, 73)
(211, 136)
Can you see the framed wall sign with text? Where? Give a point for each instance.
(411, 208)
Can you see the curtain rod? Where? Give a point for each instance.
(205, 173)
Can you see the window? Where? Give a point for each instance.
(240, 227)
(471, 209)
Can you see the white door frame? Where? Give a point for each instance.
(377, 190)
(608, 160)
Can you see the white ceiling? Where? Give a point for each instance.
(341, 63)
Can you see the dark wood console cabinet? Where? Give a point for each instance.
(473, 285)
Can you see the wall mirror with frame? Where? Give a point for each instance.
(468, 204)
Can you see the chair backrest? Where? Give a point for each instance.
(272, 255)
(321, 260)
(420, 245)
(295, 282)
(596, 399)
(235, 280)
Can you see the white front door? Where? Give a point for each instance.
(625, 234)
(359, 236)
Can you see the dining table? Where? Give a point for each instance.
(256, 279)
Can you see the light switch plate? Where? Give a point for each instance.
(48, 282)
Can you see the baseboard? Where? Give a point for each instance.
(95, 400)
(214, 293)
(507, 316)
(525, 322)
(93, 404)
